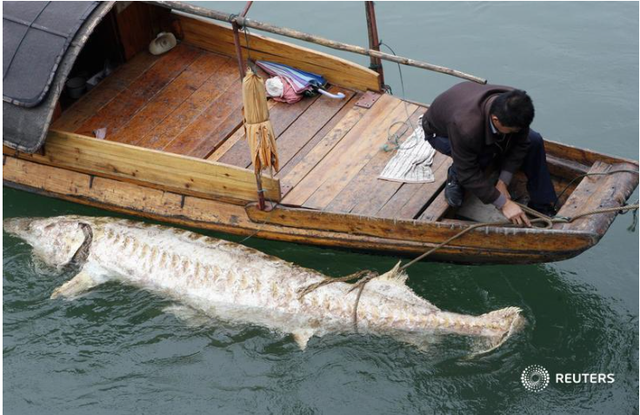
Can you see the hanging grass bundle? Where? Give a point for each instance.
(258, 128)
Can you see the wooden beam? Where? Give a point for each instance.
(135, 199)
(596, 192)
(519, 239)
(219, 39)
(582, 156)
(172, 172)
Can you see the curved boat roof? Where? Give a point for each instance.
(41, 43)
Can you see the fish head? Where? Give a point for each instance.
(56, 241)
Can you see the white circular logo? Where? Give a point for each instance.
(535, 378)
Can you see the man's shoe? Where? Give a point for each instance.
(546, 209)
(453, 191)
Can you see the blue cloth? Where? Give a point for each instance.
(534, 166)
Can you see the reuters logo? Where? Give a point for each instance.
(535, 378)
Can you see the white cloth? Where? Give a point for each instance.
(274, 87)
(412, 161)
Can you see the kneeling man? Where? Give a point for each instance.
(483, 125)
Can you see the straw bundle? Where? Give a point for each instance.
(258, 128)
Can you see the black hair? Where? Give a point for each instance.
(513, 109)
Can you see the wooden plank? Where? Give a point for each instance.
(135, 27)
(355, 157)
(104, 92)
(209, 123)
(233, 139)
(412, 198)
(543, 245)
(44, 177)
(119, 110)
(319, 136)
(222, 149)
(230, 130)
(436, 210)
(327, 166)
(586, 188)
(410, 230)
(308, 124)
(426, 193)
(167, 100)
(598, 192)
(226, 129)
(329, 140)
(565, 169)
(613, 192)
(366, 192)
(216, 38)
(220, 119)
(582, 155)
(195, 212)
(153, 168)
(282, 116)
(192, 108)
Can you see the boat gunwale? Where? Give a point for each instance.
(330, 239)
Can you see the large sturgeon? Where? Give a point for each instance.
(240, 284)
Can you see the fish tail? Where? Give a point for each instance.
(515, 323)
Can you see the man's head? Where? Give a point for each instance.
(512, 111)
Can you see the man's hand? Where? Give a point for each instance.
(513, 212)
(502, 188)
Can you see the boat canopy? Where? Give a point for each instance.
(41, 43)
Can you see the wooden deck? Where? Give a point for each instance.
(189, 102)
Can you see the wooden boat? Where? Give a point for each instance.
(175, 149)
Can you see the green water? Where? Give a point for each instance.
(116, 351)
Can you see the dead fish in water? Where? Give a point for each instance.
(239, 284)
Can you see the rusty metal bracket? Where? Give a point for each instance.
(368, 99)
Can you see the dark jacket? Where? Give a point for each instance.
(462, 114)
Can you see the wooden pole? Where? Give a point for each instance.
(236, 39)
(374, 42)
(236, 43)
(261, 203)
(295, 34)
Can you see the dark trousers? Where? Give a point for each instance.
(534, 166)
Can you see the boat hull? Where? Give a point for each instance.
(494, 245)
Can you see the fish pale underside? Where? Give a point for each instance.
(235, 283)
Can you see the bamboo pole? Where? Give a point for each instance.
(374, 42)
(295, 34)
(236, 39)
